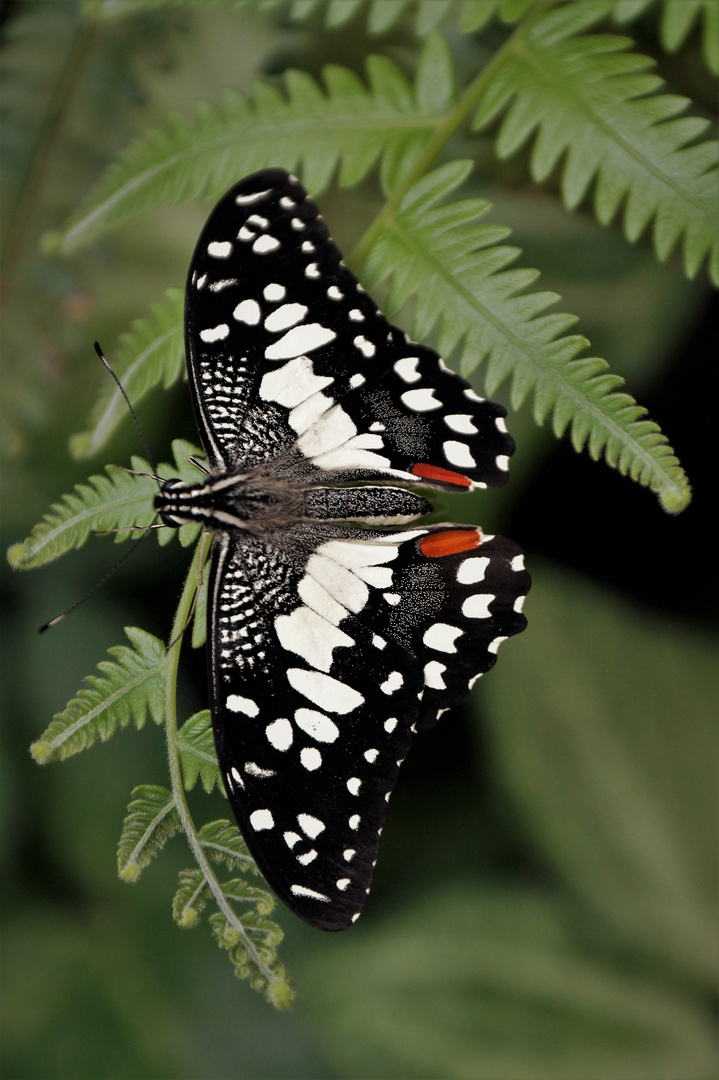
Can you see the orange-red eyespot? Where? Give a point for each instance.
(437, 544)
(446, 476)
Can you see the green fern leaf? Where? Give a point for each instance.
(119, 500)
(128, 687)
(262, 968)
(223, 842)
(587, 98)
(454, 271)
(151, 353)
(198, 758)
(344, 126)
(151, 821)
(191, 898)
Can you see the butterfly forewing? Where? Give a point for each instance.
(332, 640)
(280, 333)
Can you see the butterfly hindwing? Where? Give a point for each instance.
(322, 682)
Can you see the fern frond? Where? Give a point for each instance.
(151, 821)
(196, 746)
(586, 98)
(345, 125)
(264, 970)
(118, 500)
(129, 686)
(151, 353)
(678, 18)
(223, 842)
(454, 271)
(191, 898)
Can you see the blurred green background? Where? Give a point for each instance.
(545, 903)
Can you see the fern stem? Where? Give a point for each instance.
(444, 131)
(173, 757)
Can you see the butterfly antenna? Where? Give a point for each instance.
(98, 585)
(121, 388)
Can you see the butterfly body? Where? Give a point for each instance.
(338, 627)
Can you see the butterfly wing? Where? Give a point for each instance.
(280, 335)
(330, 648)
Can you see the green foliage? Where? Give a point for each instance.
(491, 316)
(151, 354)
(197, 752)
(120, 501)
(151, 821)
(130, 686)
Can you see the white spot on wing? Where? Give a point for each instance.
(519, 604)
(248, 312)
(219, 249)
(433, 672)
(263, 245)
(422, 400)
(390, 725)
(518, 563)
(292, 383)
(291, 838)
(500, 424)
(324, 691)
(442, 637)
(311, 826)
(215, 333)
(318, 726)
(282, 318)
(261, 819)
(392, 683)
(237, 703)
(406, 368)
(274, 292)
(470, 394)
(392, 598)
(279, 734)
(502, 462)
(308, 857)
(311, 758)
(300, 890)
(348, 854)
(357, 380)
(365, 347)
(494, 645)
(457, 453)
(477, 606)
(353, 785)
(371, 756)
(342, 883)
(472, 570)
(255, 196)
(312, 270)
(354, 822)
(461, 422)
(356, 315)
(253, 769)
(300, 340)
(308, 635)
(334, 293)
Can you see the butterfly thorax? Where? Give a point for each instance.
(260, 502)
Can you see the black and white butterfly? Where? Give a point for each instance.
(337, 629)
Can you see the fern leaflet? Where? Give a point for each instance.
(150, 354)
(455, 273)
(118, 501)
(151, 821)
(346, 126)
(587, 98)
(198, 758)
(223, 843)
(130, 686)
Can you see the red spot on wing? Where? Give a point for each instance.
(437, 544)
(446, 476)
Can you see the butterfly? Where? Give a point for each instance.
(338, 626)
